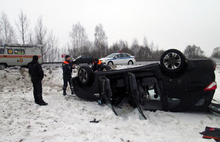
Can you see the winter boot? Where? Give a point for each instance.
(43, 103)
(72, 92)
(64, 91)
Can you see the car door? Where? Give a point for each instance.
(19, 54)
(118, 59)
(126, 58)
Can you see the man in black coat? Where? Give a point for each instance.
(97, 64)
(67, 72)
(37, 74)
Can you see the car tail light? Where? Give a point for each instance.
(211, 86)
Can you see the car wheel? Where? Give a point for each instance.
(105, 68)
(130, 62)
(85, 74)
(110, 63)
(172, 60)
(2, 66)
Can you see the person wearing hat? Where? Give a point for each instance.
(37, 74)
(97, 64)
(67, 72)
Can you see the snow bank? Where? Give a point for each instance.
(67, 119)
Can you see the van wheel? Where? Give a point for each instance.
(2, 66)
(172, 61)
(85, 74)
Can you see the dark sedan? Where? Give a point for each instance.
(88, 59)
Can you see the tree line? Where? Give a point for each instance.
(79, 43)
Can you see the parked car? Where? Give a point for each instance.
(118, 58)
(174, 84)
(84, 59)
(18, 55)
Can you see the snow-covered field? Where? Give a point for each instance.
(67, 119)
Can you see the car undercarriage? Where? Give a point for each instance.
(175, 84)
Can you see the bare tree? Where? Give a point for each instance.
(79, 39)
(135, 47)
(216, 53)
(31, 40)
(145, 43)
(40, 36)
(23, 26)
(7, 33)
(52, 48)
(100, 42)
(193, 52)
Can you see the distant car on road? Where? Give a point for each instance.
(118, 58)
(84, 59)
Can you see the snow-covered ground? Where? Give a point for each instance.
(67, 119)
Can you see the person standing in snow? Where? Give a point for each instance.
(67, 72)
(37, 74)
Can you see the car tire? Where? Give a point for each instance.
(130, 62)
(105, 68)
(110, 63)
(172, 61)
(2, 66)
(85, 74)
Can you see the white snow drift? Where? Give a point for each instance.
(67, 119)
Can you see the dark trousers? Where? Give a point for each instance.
(37, 85)
(66, 80)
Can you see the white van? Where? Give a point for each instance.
(18, 55)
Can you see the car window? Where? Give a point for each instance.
(117, 56)
(19, 51)
(125, 55)
(83, 57)
(89, 56)
(10, 51)
(2, 51)
(111, 55)
(78, 57)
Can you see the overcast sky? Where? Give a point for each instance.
(166, 23)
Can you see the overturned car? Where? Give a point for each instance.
(174, 84)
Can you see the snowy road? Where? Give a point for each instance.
(67, 119)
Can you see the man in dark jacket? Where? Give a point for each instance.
(67, 72)
(37, 74)
(97, 64)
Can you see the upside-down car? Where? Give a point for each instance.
(174, 84)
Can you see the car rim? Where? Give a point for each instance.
(110, 63)
(83, 75)
(130, 63)
(172, 61)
